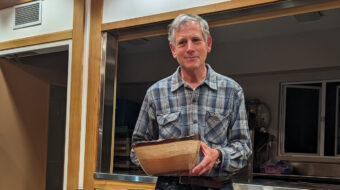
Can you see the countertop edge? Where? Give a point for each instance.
(126, 177)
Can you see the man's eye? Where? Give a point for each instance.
(181, 43)
(196, 40)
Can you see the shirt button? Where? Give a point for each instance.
(195, 121)
(194, 100)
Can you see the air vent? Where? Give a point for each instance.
(27, 14)
(308, 17)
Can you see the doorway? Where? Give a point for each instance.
(34, 116)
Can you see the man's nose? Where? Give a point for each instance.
(190, 46)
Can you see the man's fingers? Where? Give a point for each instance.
(203, 147)
(208, 160)
(202, 167)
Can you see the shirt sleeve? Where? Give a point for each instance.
(238, 149)
(146, 128)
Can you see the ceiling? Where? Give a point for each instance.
(283, 26)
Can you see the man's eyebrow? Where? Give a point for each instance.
(181, 40)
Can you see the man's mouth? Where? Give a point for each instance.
(191, 57)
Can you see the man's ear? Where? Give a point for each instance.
(209, 43)
(173, 50)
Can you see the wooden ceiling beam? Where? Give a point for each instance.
(9, 3)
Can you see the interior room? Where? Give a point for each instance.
(265, 57)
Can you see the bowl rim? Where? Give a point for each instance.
(165, 141)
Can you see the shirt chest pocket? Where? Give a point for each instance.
(169, 126)
(216, 131)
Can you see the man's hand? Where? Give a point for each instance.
(209, 158)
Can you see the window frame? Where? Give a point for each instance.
(283, 119)
(319, 157)
(337, 120)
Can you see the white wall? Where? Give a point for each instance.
(57, 15)
(116, 10)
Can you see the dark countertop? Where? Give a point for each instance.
(239, 184)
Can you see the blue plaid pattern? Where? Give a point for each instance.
(215, 110)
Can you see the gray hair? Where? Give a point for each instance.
(181, 19)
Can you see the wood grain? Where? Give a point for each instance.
(9, 3)
(76, 94)
(161, 157)
(92, 118)
(120, 185)
(34, 40)
(124, 37)
(325, 5)
(228, 5)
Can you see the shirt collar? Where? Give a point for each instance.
(176, 80)
(210, 80)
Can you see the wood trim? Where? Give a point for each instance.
(124, 37)
(35, 40)
(228, 5)
(9, 3)
(326, 5)
(121, 185)
(92, 117)
(278, 13)
(76, 94)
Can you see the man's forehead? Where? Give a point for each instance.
(188, 23)
(181, 32)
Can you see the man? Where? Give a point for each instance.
(196, 100)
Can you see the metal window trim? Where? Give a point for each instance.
(282, 122)
(109, 44)
(337, 120)
(101, 99)
(322, 115)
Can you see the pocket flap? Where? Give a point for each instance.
(166, 118)
(220, 116)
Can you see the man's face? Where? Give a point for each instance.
(190, 48)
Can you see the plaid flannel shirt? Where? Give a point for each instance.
(215, 110)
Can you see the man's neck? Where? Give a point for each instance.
(194, 77)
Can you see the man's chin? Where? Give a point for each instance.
(191, 66)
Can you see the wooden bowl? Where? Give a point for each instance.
(168, 156)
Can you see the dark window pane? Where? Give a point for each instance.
(107, 138)
(330, 119)
(302, 112)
